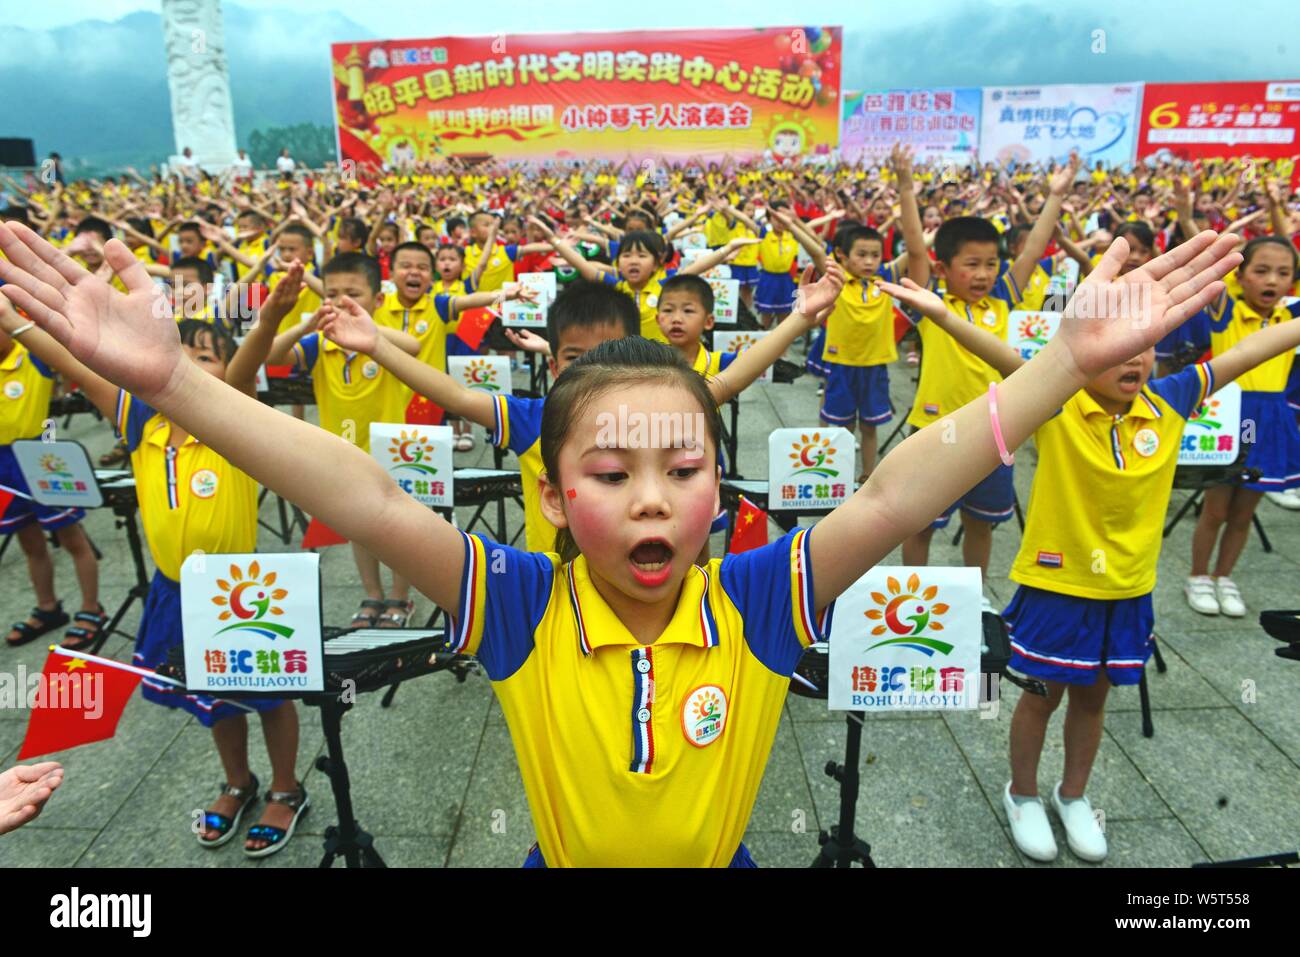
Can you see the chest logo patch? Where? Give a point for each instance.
(370, 369)
(203, 483)
(1146, 442)
(651, 301)
(421, 327)
(704, 715)
(13, 390)
(989, 319)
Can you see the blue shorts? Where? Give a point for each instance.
(748, 275)
(816, 362)
(775, 292)
(160, 631)
(993, 500)
(1070, 639)
(1293, 386)
(21, 512)
(857, 393)
(741, 858)
(1276, 449)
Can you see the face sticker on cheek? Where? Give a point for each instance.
(572, 493)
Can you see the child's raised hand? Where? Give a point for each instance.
(346, 324)
(284, 296)
(813, 299)
(130, 339)
(922, 300)
(527, 340)
(1109, 320)
(1063, 178)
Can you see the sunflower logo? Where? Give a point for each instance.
(909, 614)
(742, 341)
(54, 465)
(411, 451)
(1035, 329)
(1206, 415)
(480, 375)
(813, 455)
(706, 711)
(249, 598)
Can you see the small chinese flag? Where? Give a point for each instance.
(473, 326)
(76, 703)
(320, 535)
(6, 497)
(751, 528)
(420, 411)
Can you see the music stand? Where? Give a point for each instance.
(840, 845)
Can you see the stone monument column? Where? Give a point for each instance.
(197, 76)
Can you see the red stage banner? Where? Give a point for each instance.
(676, 93)
(1210, 120)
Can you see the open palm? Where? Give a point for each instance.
(1112, 318)
(349, 326)
(130, 339)
(24, 790)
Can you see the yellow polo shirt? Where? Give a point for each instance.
(1232, 320)
(649, 755)
(352, 390)
(26, 384)
(860, 332)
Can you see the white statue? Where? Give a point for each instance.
(202, 118)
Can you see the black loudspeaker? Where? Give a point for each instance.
(15, 152)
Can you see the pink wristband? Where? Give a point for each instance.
(1007, 457)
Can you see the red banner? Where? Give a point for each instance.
(1211, 120)
(771, 91)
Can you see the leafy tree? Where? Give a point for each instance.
(310, 144)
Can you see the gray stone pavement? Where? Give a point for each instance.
(435, 779)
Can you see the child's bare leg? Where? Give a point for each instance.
(1083, 723)
(1214, 512)
(231, 738)
(40, 567)
(77, 545)
(976, 543)
(401, 588)
(868, 433)
(747, 296)
(1240, 512)
(280, 729)
(368, 567)
(1028, 729)
(916, 548)
(299, 412)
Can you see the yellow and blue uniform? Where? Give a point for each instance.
(307, 304)
(499, 269)
(351, 389)
(743, 265)
(1276, 447)
(776, 255)
(858, 345)
(518, 427)
(622, 745)
(1086, 574)
(952, 376)
(429, 320)
(646, 299)
(26, 385)
(191, 500)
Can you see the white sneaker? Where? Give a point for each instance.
(1081, 828)
(1230, 602)
(1290, 499)
(1029, 827)
(1200, 593)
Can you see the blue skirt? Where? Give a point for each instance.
(1070, 639)
(160, 631)
(775, 292)
(1275, 450)
(1293, 386)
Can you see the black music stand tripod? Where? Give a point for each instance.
(840, 846)
(345, 839)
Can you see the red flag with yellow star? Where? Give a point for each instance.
(751, 528)
(73, 702)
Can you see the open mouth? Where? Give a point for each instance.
(651, 561)
(1131, 381)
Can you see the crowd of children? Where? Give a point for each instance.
(361, 282)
